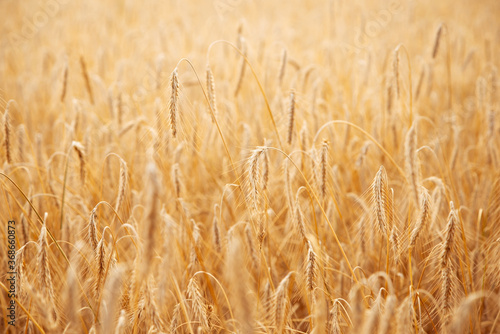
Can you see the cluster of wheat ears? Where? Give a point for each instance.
(255, 186)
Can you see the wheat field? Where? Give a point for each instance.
(245, 166)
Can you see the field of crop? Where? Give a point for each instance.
(250, 166)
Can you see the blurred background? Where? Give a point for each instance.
(129, 39)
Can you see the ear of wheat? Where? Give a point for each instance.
(7, 134)
(381, 201)
(174, 103)
(291, 117)
(437, 40)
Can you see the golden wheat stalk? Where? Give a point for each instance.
(86, 79)
(411, 161)
(242, 66)
(80, 151)
(151, 217)
(281, 74)
(251, 248)
(21, 140)
(333, 326)
(7, 134)
(381, 200)
(198, 303)
(174, 101)
(291, 117)
(65, 82)
(323, 167)
(254, 176)
(423, 218)
(436, 41)
(387, 317)
(311, 268)
(395, 244)
(43, 268)
(211, 91)
(122, 184)
(282, 302)
(265, 170)
(100, 265)
(395, 69)
(92, 230)
(216, 231)
(448, 241)
(299, 221)
(446, 291)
